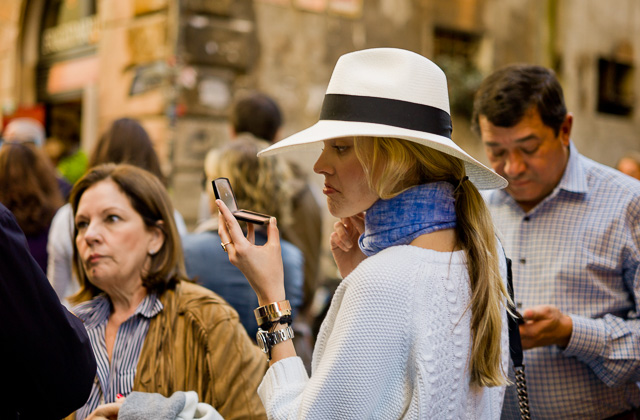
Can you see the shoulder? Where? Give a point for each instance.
(605, 177)
(201, 304)
(197, 240)
(607, 186)
(396, 270)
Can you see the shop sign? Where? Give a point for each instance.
(70, 35)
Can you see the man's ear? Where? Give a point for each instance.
(565, 129)
(157, 238)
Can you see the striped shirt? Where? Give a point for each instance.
(116, 377)
(579, 249)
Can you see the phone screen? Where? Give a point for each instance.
(222, 190)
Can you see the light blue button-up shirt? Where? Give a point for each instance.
(579, 249)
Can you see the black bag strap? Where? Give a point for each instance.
(515, 344)
(515, 348)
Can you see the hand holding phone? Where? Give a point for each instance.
(222, 190)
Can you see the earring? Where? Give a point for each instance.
(152, 253)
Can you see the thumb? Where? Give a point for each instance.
(535, 313)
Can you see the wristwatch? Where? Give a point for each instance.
(267, 340)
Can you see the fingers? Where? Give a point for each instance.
(340, 238)
(106, 411)
(251, 233)
(228, 228)
(537, 313)
(358, 222)
(273, 234)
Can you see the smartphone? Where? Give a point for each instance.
(222, 190)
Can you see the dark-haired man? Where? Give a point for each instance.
(572, 228)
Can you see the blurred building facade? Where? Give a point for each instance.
(176, 65)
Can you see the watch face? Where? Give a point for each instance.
(261, 338)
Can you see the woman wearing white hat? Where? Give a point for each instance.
(417, 328)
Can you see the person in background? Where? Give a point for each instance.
(572, 228)
(29, 189)
(630, 164)
(259, 185)
(258, 115)
(151, 329)
(126, 141)
(48, 365)
(418, 326)
(29, 130)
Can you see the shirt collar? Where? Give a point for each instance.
(96, 311)
(574, 178)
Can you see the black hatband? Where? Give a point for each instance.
(397, 113)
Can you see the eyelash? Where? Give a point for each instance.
(110, 218)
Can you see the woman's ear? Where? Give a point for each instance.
(157, 238)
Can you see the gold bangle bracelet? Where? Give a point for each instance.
(272, 312)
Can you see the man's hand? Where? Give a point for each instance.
(545, 325)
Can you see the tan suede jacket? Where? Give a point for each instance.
(198, 344)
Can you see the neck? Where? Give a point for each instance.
(441, 241)
(125, 302)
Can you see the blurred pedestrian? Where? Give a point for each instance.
(29, 189)
(31, 131)
(259, 185)
(630, 164)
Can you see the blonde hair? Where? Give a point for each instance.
(265, 185)
(394, 165)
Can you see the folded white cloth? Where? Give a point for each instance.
(179, 406)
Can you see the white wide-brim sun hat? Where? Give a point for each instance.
(388, 92)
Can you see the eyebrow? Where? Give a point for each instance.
(520, 140)
(106, 210)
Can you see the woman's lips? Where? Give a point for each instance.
(93, 258)
(328, 189)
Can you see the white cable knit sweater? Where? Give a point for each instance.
(395, 344)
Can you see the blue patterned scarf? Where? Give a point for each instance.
(421, 209)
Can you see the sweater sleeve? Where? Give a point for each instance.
(363, 347)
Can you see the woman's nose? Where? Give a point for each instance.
(321, 166)
(92, 233)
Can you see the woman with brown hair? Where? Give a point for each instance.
(150, 328)
(126, 141)
(28, 187)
